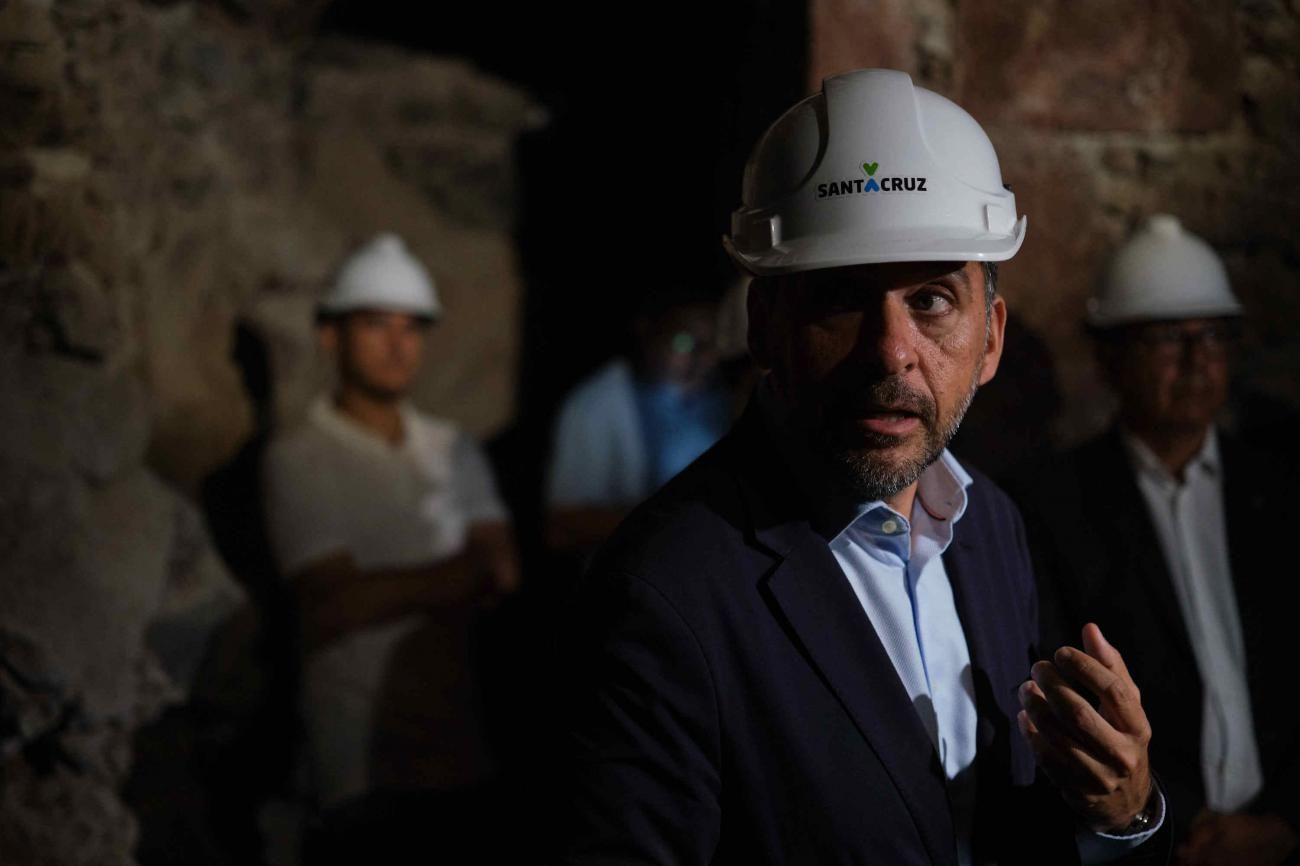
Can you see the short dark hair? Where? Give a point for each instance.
(990, 281)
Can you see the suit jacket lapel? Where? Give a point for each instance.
(807, 589)
(1118, 496)
(1245, 509)
(981, 620)
(984, 623)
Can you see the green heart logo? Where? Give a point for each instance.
(870, 168)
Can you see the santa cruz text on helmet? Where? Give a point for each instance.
(858, 186)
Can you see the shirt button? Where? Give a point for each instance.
(890, 526)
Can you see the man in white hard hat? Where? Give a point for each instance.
(818, 643)
(388, 524)
(1162, 529)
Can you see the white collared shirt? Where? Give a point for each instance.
(1191, 527)
(895, 567)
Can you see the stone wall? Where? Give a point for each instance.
(166, 171)
(1103, 112)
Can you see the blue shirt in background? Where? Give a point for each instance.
(678, 426)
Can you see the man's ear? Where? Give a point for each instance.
(759, 310)
(994, 339)
(327, 335)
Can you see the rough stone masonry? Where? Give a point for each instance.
(166, 171)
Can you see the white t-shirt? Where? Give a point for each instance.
(332, 486)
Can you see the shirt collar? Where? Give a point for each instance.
(324, 413)
(941, 489)
(1145, 461)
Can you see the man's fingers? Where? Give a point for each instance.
(1064, 768)
(1066, 761)
(1035, 706)
(1078, 718)
(1096, 645)
(1086, 670)
(1044, 715)
(1046, 753)
(1118, 696)
(1086, 792)
(1097, 756)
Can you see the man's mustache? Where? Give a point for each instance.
(884, 395)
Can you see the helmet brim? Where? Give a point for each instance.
(844, 250)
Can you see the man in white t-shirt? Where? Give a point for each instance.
(389, 526)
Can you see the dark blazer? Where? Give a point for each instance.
(1098, 558)
(733, 704)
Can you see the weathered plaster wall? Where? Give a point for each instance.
(164, 171)
(1105, 111)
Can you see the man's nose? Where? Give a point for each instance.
(397, 339)
(888, 336)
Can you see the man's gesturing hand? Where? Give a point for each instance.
(1096, 756)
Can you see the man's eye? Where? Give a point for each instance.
(930, 302)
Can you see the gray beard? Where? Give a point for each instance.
(872, 476)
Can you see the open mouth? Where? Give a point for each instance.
(882, 414)
(889, 422)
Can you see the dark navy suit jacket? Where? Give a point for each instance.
(733, 703)
(1098, 558)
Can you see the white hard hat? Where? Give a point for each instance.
(1162, 272)
(382, 275)
(872, 169)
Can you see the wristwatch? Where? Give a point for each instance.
(1145, 818)
(1141, 822)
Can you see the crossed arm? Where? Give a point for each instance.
(336, 597)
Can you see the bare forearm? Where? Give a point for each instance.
(336, 601)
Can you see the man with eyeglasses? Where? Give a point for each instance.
(1161, 531)
(637, 421)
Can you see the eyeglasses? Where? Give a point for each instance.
(1173, 340)
(686, 343)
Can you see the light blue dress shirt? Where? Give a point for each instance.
(895, 568)
(894, 564)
